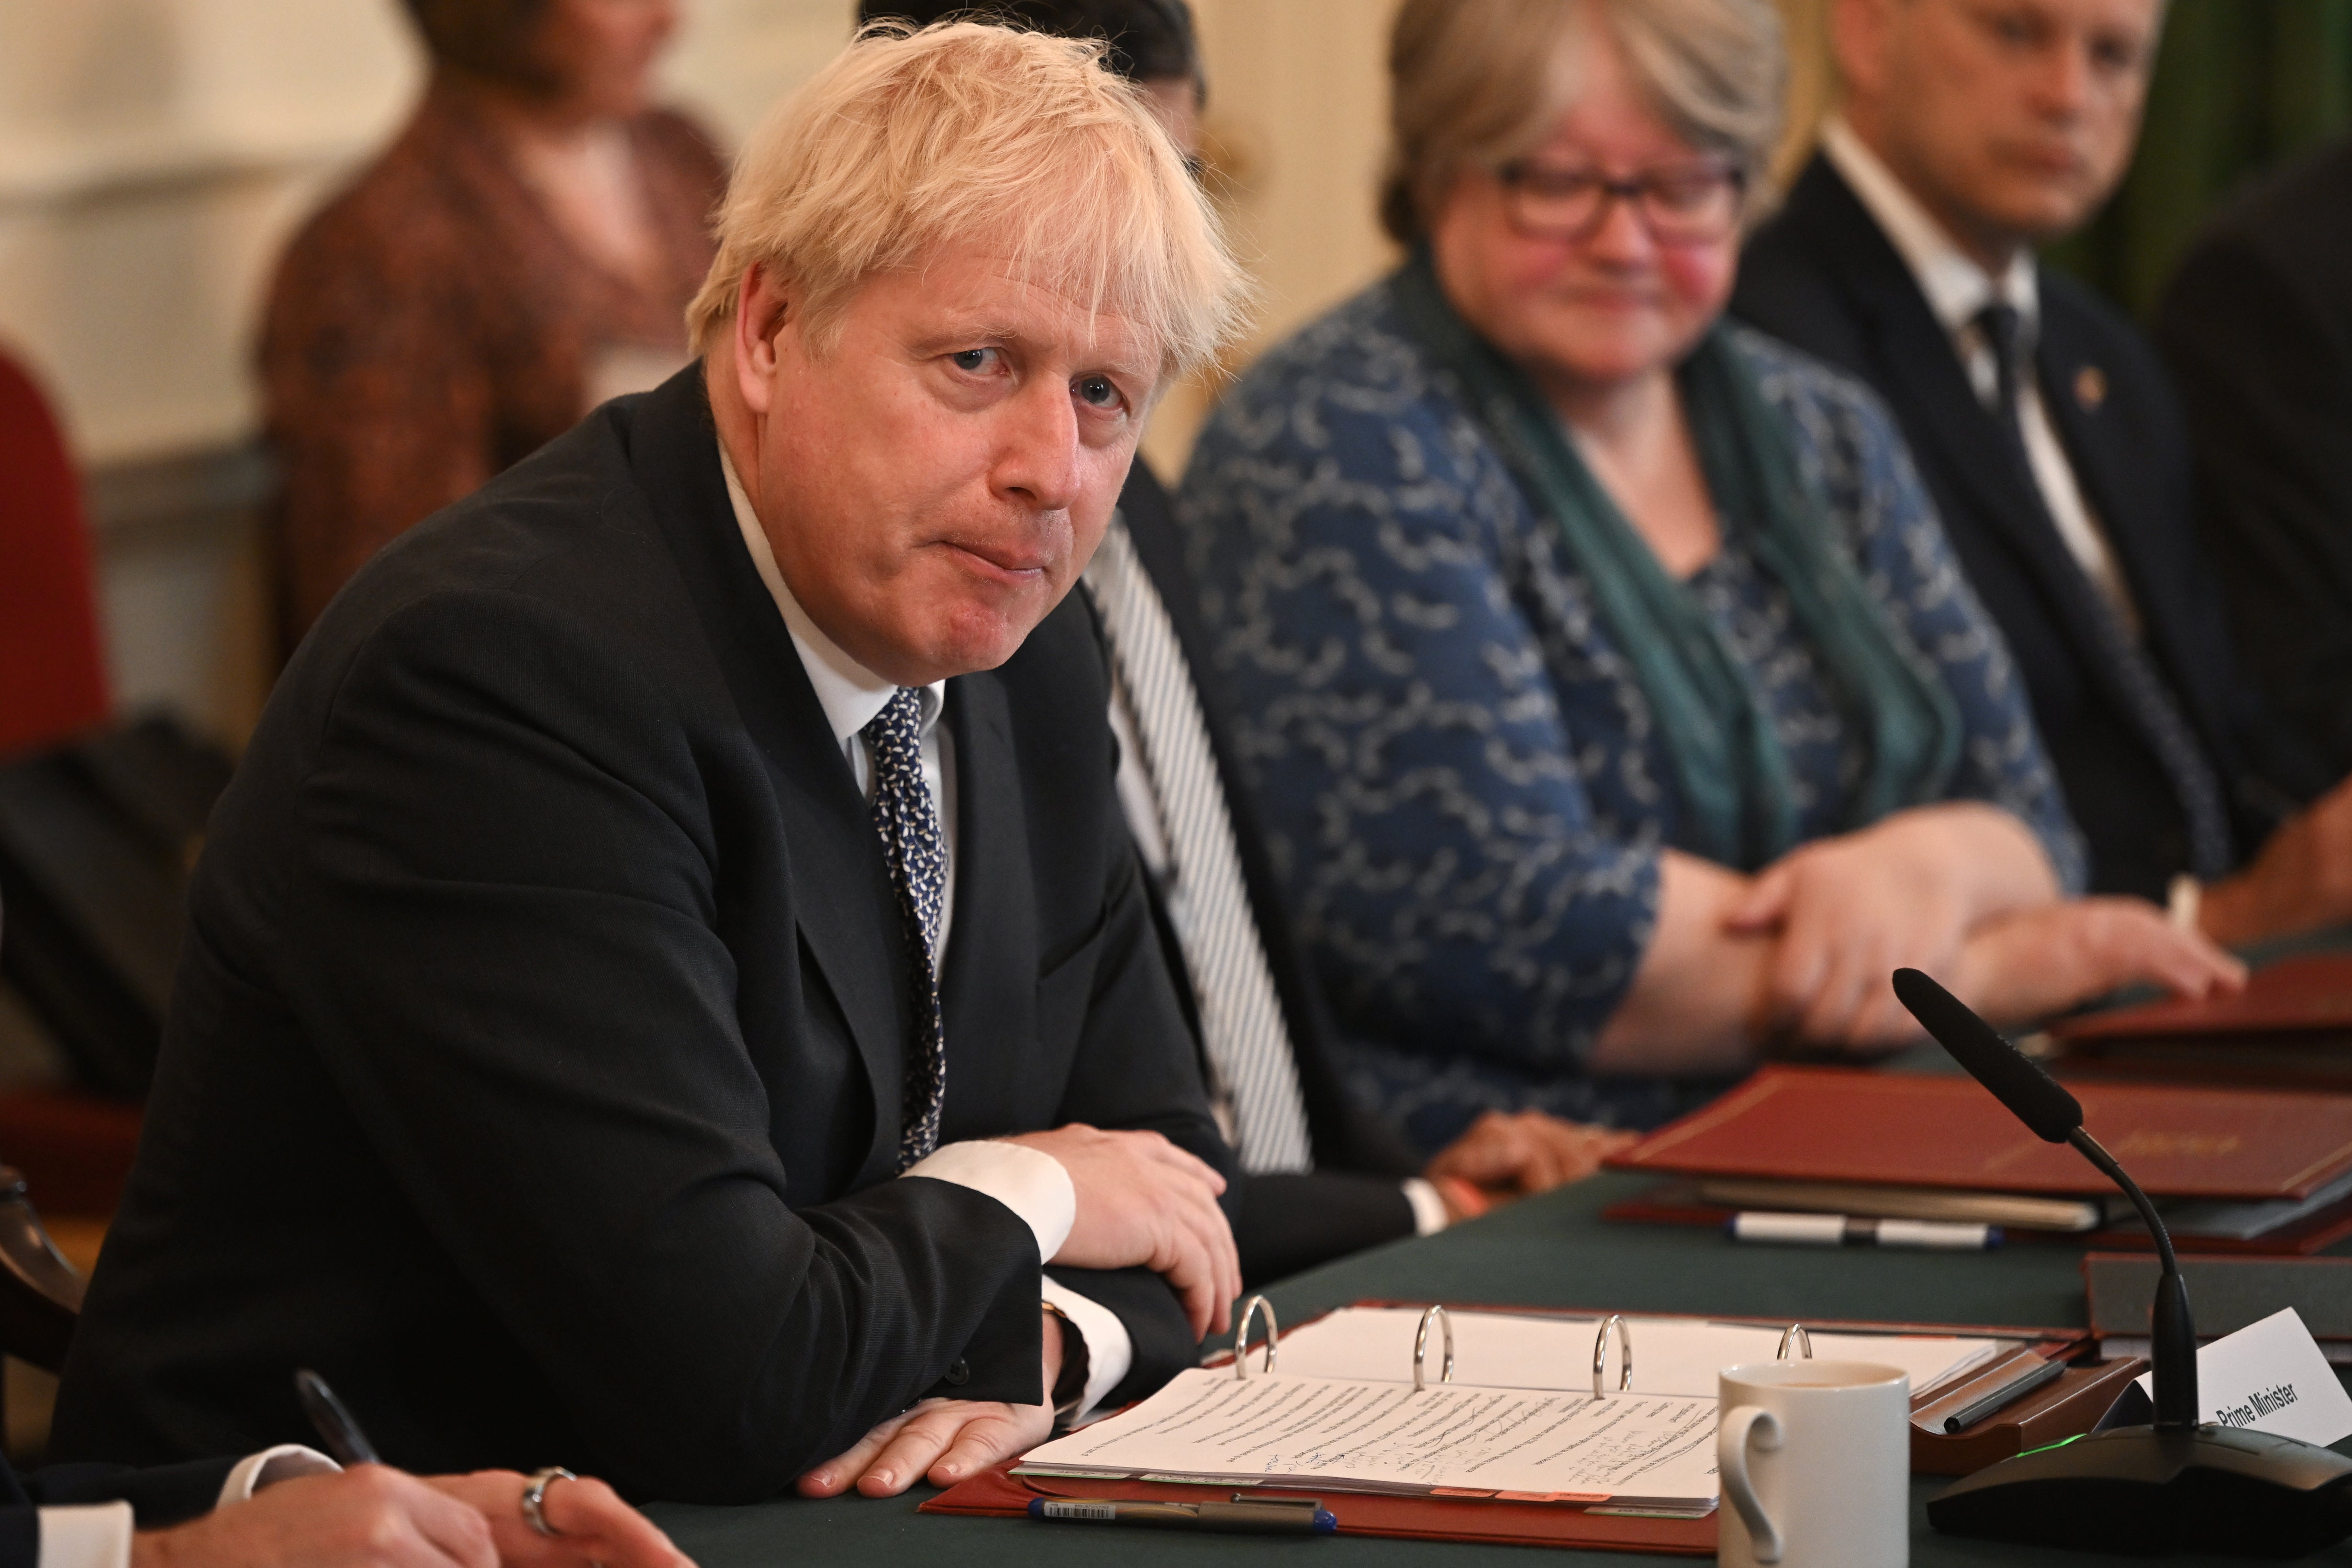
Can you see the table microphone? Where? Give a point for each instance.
(2176, 1483)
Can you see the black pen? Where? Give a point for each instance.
(2002, 1397)
(344, 1440)
(1301, 1517)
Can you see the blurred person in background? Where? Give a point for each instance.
(523, 251)
(1618, 705)
(1972, 131)
(1325, 1176)
(2257, 328)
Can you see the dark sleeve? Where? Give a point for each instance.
(2264, 376)
(1286, 1222)
(159, 1495)
(501, 941)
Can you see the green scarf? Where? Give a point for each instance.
(1739, 806)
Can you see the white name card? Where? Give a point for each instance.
(2270, 1376)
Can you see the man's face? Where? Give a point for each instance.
(934, 483)
(2011, 119)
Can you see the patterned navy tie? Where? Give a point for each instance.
(909, 827)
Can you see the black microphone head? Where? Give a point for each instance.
(2033, 1096)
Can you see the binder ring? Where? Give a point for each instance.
(1421, 1346)
(1798, 1332)
(1614, 1323)
(1250, 1310)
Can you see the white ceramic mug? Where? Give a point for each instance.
(1815, 1460)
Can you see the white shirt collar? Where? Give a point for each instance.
(850, 694)
(1956, 286)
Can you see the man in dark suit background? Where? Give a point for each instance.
(2257, 327)
(655, 985)
(1322, 1177)
(1972, 130)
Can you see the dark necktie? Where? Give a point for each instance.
(2179, 752)
(909, 827)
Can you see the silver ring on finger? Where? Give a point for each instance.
(534, 1497)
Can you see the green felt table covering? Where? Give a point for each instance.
(1553, 1251)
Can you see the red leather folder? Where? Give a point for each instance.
(2306, 1000)
(2291, 1027)
(998, 1492)
(1846, 1124)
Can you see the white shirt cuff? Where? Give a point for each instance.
(1109, 1352)
(270, 1467)
(1428, 1216)
(85, 1535)
(1030, 1182)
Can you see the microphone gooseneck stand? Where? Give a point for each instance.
(2173, 1484)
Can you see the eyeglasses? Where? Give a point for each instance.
(1693, 204)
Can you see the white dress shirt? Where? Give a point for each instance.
(1957, 288)
(97, 1535)
(1029, 1181)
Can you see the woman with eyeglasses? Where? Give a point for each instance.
(1618, 707)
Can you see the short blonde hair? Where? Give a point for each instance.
(1476, 83)
(908, 141)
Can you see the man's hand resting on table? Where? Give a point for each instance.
(942, 1441)
(1142, 1200)
(1516, 1153)
(375, 1517)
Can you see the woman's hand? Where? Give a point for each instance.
(1850, 909)
(2037, 962)
(1527, 1152)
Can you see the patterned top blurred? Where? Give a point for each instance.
(1458, 767)
(433, 324)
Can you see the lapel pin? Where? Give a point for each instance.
(2090, 388)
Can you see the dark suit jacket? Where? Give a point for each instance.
(163, 1496)
(1282, 1224)
(2257, 327)
(535, 1068)
(1822, 276)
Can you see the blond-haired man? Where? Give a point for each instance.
(657, 981)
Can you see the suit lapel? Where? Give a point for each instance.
(989, 991)
(2067, 363)
(1920, 374)
(842, 899)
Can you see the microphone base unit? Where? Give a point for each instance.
(2145, 1491)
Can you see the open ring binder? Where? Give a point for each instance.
(1250, 1310)
(1614, 1323)
(1793, 1331)
(1421, 1346)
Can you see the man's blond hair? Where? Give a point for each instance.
(966, 133)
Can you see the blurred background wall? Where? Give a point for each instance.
(154, 155)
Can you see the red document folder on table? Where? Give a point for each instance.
(2291, 1027)
(1845, 1126)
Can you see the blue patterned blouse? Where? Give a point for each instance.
(1458, 767)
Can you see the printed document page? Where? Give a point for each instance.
(1207, 1424)
(1671, 1356)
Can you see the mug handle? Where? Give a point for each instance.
(1731, 1461)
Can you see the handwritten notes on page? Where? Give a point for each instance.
(1627, 1449)
(1671, 1356)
